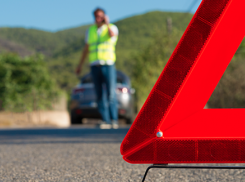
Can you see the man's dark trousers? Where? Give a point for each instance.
(106, 97)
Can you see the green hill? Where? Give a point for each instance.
(41, 41)
(9, 46)
(35, 40)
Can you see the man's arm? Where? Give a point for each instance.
(111, 33)
(107, 21)
(83, 57)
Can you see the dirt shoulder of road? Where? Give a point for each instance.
(35, 119)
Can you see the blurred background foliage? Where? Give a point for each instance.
(25, 83)
(143, 49)
(148, 63)
(230, 92)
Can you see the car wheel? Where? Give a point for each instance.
(76, 120)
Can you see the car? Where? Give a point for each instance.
(83, 99)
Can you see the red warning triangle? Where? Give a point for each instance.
(191, 134)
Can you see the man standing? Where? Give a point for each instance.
(101, 40)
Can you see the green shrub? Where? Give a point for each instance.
(25, 83)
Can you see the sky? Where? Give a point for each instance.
(55, 15)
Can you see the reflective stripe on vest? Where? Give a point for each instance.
(101, 47)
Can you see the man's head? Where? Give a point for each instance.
(99, 15)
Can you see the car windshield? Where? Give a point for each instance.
(87, 79)
(120, 79)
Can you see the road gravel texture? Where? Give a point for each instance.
(84, 155)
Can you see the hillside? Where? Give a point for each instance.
(9, 46)
(35, 40)
(40, 41)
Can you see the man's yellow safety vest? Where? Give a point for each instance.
(101, 47)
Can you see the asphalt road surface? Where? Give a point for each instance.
(84, 154)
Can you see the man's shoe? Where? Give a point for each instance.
(115, 125)
(104, 125)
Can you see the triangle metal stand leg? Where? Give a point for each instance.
(153, 166)
(189, 167)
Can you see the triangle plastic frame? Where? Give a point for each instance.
(172, 126)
